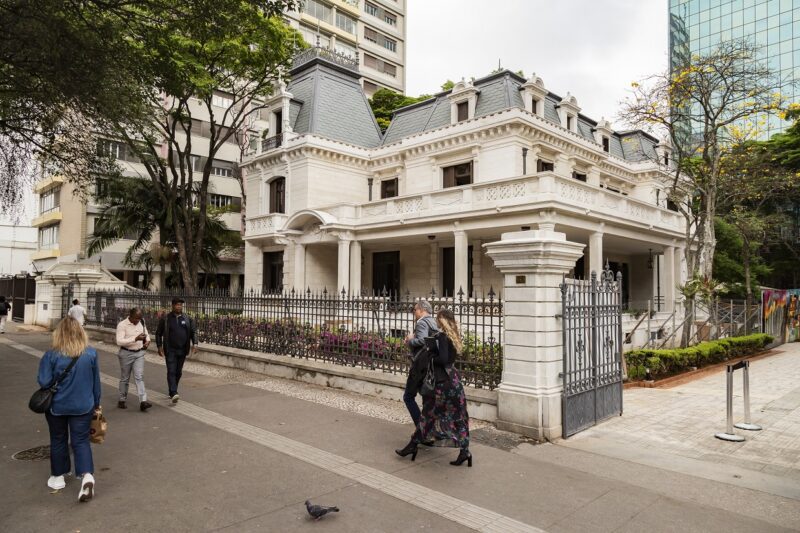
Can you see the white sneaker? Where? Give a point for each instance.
(56, 482)
(87, 488)
(175, 398)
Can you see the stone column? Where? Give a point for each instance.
(343, 278)
(668, 281)
(355, 267)
(595, 253)
(563, 166)
(461, 269)
(593, 176)
(299, 267)
(533, 264)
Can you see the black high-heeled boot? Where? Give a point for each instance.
(463, 455)
(411, 448)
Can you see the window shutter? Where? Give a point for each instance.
(449, 177)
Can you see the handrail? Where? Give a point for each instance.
(629, 336)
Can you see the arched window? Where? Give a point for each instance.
(277, 195)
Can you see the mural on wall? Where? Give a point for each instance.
(793, 315)
(782, 314)
(774, 307)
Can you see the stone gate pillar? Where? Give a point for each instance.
(533, 264)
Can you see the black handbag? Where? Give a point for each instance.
(429, 381)
(41, 399)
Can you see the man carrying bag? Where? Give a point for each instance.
(425, 327)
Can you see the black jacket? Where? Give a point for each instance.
(162, 333)
(425, 327)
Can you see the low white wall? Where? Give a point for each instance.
(482, 404)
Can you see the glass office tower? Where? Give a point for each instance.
(697, 26)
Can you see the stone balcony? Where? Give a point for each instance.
(261, 226)
(544, 190)
(534, 192)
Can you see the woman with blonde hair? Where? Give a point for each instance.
(444, 418)
(75, 364)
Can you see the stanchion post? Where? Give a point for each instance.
(729, 435)
(747, 424)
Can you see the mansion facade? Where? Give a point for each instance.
(335, 203)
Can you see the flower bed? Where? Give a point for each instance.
(480, 364)
(663, 363)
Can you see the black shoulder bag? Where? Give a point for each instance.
(42, 398)
(429, 381)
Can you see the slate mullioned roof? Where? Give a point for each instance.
(501, 91)
(327, 100)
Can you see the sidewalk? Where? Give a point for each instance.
(681, 421)
(244, 458)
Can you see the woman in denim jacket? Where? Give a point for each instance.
(77, 398)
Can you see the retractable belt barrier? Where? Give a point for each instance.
(747, 425)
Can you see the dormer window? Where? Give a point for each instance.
(569, 122)
(534, 106)
(462, 110)
(606, 144)
(666, 158)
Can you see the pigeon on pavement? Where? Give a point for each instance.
(318, 511)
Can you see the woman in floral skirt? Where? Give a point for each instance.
(444, 418)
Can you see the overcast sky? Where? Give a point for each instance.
(591, 48)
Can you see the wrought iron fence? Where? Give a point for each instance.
(354, 330)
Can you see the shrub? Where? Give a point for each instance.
(672, 361)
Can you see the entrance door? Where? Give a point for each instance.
(386, 273)
(621, 267)
(449, 289)
(273, 272)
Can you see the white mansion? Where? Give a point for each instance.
(334, 203)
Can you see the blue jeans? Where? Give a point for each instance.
(66, 429)
(410, 399)
(175, 360)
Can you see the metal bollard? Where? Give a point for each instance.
(747, 424)
(729, 435)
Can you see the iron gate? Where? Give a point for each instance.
(592, 340)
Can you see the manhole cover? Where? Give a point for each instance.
(38, 453)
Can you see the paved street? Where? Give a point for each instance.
(241, 452)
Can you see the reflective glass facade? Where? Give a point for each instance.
(697, 26)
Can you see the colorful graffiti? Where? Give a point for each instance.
(782, 314)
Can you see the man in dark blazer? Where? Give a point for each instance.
(425, 327)
(175, 337)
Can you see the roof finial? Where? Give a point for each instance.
(499, 67)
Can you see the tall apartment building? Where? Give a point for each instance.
(697, 26)
(65, 222)
(375, 30)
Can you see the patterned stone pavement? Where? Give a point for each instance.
(682, 420)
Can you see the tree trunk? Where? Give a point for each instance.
(746, 265)
(688, 315)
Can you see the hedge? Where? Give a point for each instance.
(666, 362)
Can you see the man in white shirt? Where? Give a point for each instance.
(77, 312)
(132, 339)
